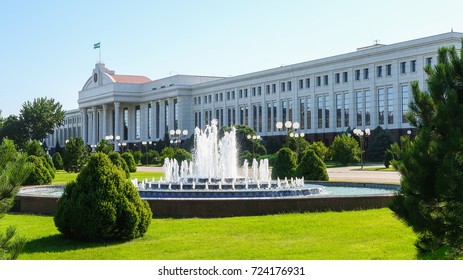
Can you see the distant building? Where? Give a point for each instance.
(363, 89)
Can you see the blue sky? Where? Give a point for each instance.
(47, 46)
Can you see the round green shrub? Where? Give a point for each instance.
(102, 205)
(128, 158)
(181, 155)
(151, 157)
(137, 156)
(312, 167)
(40, 174)
(57, 161)
(118, 161)
(345, 150)
(284, 164)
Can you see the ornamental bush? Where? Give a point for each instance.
(40, 174)
(284, 164)
(312, 167)
(128, 158)
(345, 150)
(118, 161)
(102, 205)
(57, 161)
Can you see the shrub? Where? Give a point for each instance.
(40, 174)
(345, 150)
(380, 140)
(151, 157)
(137, 156)
(74, 155)
(102, 205)
(118, 161)
(312, 167)
(128, 158)
(181, 155)
(285, 164)
(319, 148)
(167, 152)
(57, 161)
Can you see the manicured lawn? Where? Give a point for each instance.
(62, 177)
(369, 234)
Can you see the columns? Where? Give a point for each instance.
(95, 125)
(117, 117)
(152, 120)
(105, 120)
(84, 125)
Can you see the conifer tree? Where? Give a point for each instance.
(430, 199)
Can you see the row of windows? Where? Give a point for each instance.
(362, 117)
(359, 74)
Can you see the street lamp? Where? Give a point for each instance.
(113, 139)
(254, 139)
(178, 133)
(361, 135)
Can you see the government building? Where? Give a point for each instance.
(363, 89)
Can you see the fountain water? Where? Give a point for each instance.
(214, 173)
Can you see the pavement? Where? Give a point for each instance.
(341, 174)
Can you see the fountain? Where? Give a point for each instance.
(213, 173)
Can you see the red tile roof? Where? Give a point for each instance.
(129, 79)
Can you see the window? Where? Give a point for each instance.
(365, 74)
(379, 71)
(359, 106)
(283, 110)
(381, 106)
(346, 109)
(137, 122)
(337, 78)
(289, 86)
(319, 81)
(308, 114)
(301, 84)
(344, 77)
(301, 112)
(403, 66)
(338, 110)
(240, 93)
(253, 90)
(307, 83)
(327, 111)
(390, 105)
(216, 97)
(405, 100)
(357, 75)
(205, 99)
(194, 101)
(274, 88)
(389, 70)
(413, 66)
(245, 93)
(283, 86)
(367, 107)
(259, 90)
(209, 99)
(199, 99)
(290, 110)
(269, 117)
(233, 94)
(325, 80)
(228, 95)
(267, 89)
(429, 61)
(320, 111)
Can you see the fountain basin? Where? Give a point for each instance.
(42, 200)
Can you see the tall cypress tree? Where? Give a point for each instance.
(431, 196)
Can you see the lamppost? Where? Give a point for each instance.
(253, 138)
(296, 137)
(177, 135)
(122, 146)
(114, 140)
(144, 143)
(361, 135)
(287, 125)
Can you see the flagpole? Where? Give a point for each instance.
(99, 50)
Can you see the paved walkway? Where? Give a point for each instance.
(345, 174)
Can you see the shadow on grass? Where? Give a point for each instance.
(58, 243)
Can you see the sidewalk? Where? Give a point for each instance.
(344, 174)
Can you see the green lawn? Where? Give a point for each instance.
(62, 177)
(369, 234)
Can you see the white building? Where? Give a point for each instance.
(363, 89)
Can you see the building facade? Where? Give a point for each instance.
(363, 89)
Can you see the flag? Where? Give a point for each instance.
(96, 46)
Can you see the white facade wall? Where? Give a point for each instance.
(200, 98)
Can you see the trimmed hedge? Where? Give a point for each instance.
(284, 164)
(312, 167)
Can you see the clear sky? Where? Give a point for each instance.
(47, 46)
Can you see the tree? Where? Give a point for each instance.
(430, 199)
(57, 161)
(312, 167)
(102, 205)
(254, 146)
(118, 161)
(14, 169)
(285, 164)
(380, 140)
(74, 155)
(104, 146)
(130, 161)
(13, 129)
(345, 150)
(44, 170)
(40, 117)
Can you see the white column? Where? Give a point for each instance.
(144, 122)
(152, 120)
(105, 120)
(94, 124)
(84, 125)
(117, 117)
(162, 128)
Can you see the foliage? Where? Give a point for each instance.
(118, 161)
(104, 147)
(13, 129)
(40, 174)
(345, 150)
(14, 169)
(74, 156)
(271, 158)
(40, 117)
(312, 167)
(380, 140)
(254, 146)
(181, 155)
(167, 152)
(57, 161)
(285, 164)
(151, 157)
(128, 158)
(137, 156)
(430, 199)
(102, 205)
(319, 148)
(34, 148)
(392, 153)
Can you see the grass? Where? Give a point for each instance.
(62, 177)
(380, 168)
(364, 235)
